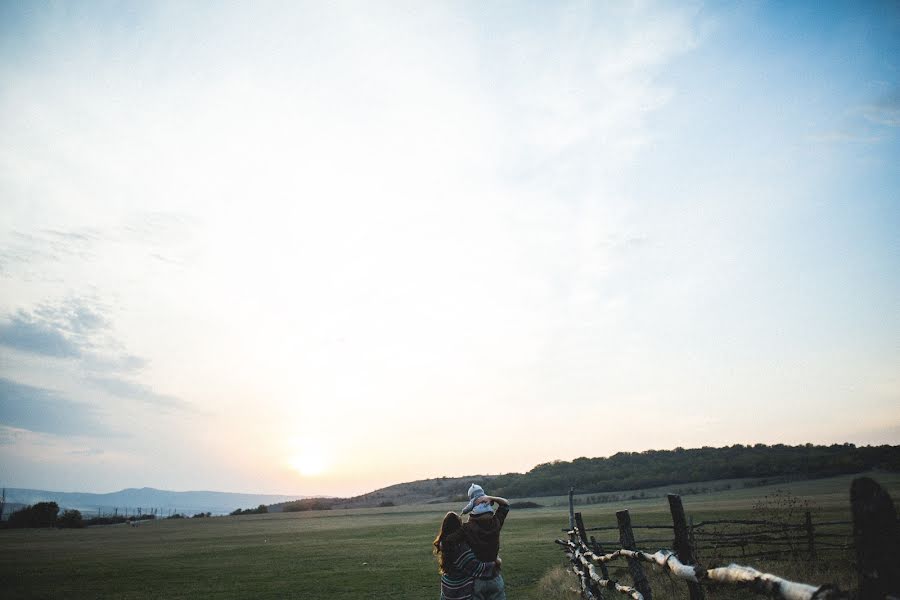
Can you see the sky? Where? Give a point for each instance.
(320, 248)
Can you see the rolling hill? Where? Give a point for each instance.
(144, 500)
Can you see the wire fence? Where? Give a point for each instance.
(872, 539)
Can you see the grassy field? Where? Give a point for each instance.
(362, 553)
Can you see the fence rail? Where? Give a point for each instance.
(798, 538)
(876, 537)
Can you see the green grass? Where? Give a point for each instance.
(361, 553)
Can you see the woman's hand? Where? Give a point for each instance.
(483, 500)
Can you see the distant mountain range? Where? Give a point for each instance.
(145, 500)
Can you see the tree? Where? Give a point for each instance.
(42, 514)
(70, 519)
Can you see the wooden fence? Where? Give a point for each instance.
(875, 545)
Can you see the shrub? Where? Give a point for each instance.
(105, 521)
(259, 510)
(70, 519)
(42, 514)
(308, 504)
(525, 505)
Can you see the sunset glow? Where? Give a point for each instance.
(309, 458)
(323, 247)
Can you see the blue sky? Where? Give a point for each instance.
(283, 247)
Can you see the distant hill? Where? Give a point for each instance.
(654, 468)
(439, 489)
(145, 499)
(634, 471)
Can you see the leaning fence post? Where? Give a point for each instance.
(579, 527)
(594, 546)
(682, 544)
(582, 541)
(571, 508)
(810, 536)
(692, 539)
(578, 535)
(626, 537)
(876, 535)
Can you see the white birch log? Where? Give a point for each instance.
(578, 556)
(734, 574)
(765, 582)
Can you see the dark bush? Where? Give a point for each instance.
(70, 519)
(525, 505)
(105, 521)
(259, 510)
(309, 504)
(42, 514)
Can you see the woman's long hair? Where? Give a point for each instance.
(450, 533)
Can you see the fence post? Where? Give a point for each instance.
(594, 546)
(571, 508)
(579, 527)
(876, 535)
(682, 544)
(598, 549)
(810, 536)
(626, 537)
(692, 539)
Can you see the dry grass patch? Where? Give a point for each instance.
(559, 584)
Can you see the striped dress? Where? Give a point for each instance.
(463, 568)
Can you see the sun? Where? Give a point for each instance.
(309, 460)
(308, 465)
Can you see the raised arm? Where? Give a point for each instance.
(497, 499)
(502, 507)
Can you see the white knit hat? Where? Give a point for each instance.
(476, 492)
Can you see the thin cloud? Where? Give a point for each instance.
(124, 388)
(78, 329)
(160, 232)
(883, 115)
(119, 363)
(23, 332)
(842, 137)
(76, 315)
(86, 452)
(885, 112)
(43, 410)
(59, 330)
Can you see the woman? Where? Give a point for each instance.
(458, 566)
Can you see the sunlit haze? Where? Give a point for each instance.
(320, 248)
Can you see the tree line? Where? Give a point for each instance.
(47, 514)
(653, 468)
(44, 514)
